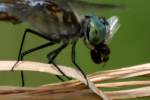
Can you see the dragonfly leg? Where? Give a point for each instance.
(21, 46)
(22, 42)
(74, 61)
(52, 55)
(59, 77)
(23, 54)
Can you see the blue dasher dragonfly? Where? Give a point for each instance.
(58, 21)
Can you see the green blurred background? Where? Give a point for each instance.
(130, 45)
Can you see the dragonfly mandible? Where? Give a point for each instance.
(58, 22)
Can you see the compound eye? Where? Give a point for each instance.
(94, 36)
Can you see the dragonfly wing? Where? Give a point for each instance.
(88, 8)
(99, 5)
(91, 7)
(113, 27)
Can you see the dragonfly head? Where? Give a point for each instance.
(95, 35)
(96, 30)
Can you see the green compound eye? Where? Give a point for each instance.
(97, 31)
(94, 36)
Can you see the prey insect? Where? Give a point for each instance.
(57, 22)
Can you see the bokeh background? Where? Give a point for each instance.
(130, 45)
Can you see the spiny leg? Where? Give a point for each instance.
(74, 60)
(53, 54)
(21, 46)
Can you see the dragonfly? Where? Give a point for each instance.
(59, 22)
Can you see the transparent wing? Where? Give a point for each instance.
(113, 27)
(92, 7)
(86, 3)
(77, 5)
(88, 8)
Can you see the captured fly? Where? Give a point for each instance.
(58, 22)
